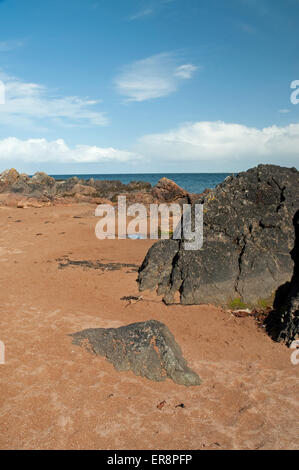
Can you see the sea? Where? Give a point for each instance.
(191, 182)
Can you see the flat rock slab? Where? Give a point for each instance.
(147, 348)
(86, 264)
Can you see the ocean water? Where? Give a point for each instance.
(192, 182)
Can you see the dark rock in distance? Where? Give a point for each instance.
(147, 348)
(248, 235)
(167, 190)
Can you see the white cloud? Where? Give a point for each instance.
(284, 111)
(199, 146)
(153, 77)
(224, 143)
(33, 105)
(41, 150)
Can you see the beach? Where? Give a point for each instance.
(149, 228)
(55, 395)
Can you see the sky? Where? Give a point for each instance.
(146, 86)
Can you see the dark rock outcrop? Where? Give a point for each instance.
(283, 323)
(147, 348)
(248, 235)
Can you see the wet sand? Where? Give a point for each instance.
(54, 395)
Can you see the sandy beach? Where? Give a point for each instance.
(57, 395)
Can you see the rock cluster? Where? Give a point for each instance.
(147, 348)
(248, 235)
(41, 189)
(42, 184)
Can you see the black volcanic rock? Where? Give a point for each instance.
(283, 323)
(147, 348)
(248, 235)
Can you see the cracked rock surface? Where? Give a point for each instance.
(248, 236)
(147, 348)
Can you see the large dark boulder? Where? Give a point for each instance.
(248, 235)
(283, 323)
(147, 348)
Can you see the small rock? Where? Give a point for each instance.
(147, 348)
(161, 405)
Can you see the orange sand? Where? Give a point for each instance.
(56, 395)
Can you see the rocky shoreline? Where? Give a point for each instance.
(21, 190)
(247, 261)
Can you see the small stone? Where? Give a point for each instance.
(147, 348)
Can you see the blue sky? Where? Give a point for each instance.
(113, 86)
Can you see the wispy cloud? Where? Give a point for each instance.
(185, 71)
(247, 28)
(155, 7)
(141, 14)
(57, 151)
(262, 7)
(9, 45)
(34, 105)
(284, 111)
(153, 77)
